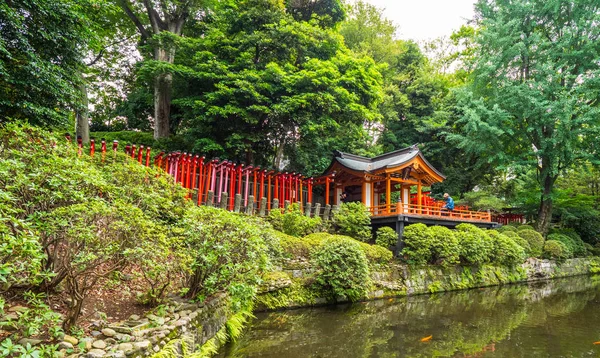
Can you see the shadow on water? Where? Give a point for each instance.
(559, 318)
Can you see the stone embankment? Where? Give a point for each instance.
(143, 336)
(292, 285)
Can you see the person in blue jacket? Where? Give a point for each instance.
(449, 202)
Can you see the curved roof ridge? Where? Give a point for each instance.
(396, 152)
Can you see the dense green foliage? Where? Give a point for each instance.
(535, 240)
(467, 244)
(445, 248)
(386, 237)
(41, 58)
(475, 245)
(342, 267)
(532, 99)
(555, 250)
(227, 253)
(353, 219)
(506, 251)
(293, 222)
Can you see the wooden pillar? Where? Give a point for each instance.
(419, 197)
(388, 192)
(327, 191)
(301, 195)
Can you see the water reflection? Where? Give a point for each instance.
(559, 318)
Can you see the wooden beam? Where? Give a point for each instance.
(388, 191)
(419, 196)
(327, 191)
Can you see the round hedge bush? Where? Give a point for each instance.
(445, 248)
(574, 242)
(535, 240)
(475, 247)
(525, 227)
(505, 251)
(555, 250)
(567, 241)
(506, 228)
(417, 244)
(354, 220)
(386, 237)
(342, 267)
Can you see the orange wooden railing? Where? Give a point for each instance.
(435, 211)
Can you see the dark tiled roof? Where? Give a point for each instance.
(387, 160)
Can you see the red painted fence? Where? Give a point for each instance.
(201, 176)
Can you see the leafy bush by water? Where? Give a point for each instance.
(475, 245)
(293, 222)
(525, 227)
(570, 238)
(417, 244)
(535, 240)
(506, 251)
(386, 237)
(342, 268)
(445, 247)
(353, 219)
(223, 249)
(555, 250)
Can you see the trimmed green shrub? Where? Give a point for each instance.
(567, 241)
(525, 227)
(475, 245)
(223, 248)
(467, 227)
(342, 268)
(519, 240)
(509, 233)
(386, 237)
(301, 247)
(417, 244)
(353, 219)
(376, 254)
(535, 240)
(445, 249)
(555, 250)
(576, 244)
(506, 228)
(293, 222)
(505, 251)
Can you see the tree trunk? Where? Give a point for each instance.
(82, 124)
(279, 154)
(545, 210)
(163, 84)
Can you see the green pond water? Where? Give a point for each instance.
(559, 318)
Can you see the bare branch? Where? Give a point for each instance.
(125, 6)
(99, 56)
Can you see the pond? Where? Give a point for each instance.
(559, 318)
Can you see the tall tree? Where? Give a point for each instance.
(260, 84)
(161, 20)
(535, 91)
(41, 57)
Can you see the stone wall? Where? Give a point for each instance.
(293, 287)
(181, 321)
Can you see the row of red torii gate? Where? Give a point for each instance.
(401, 174)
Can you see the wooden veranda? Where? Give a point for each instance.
(391, 185)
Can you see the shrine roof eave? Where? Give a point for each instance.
(396, 159)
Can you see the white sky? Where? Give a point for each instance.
(426, 19)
